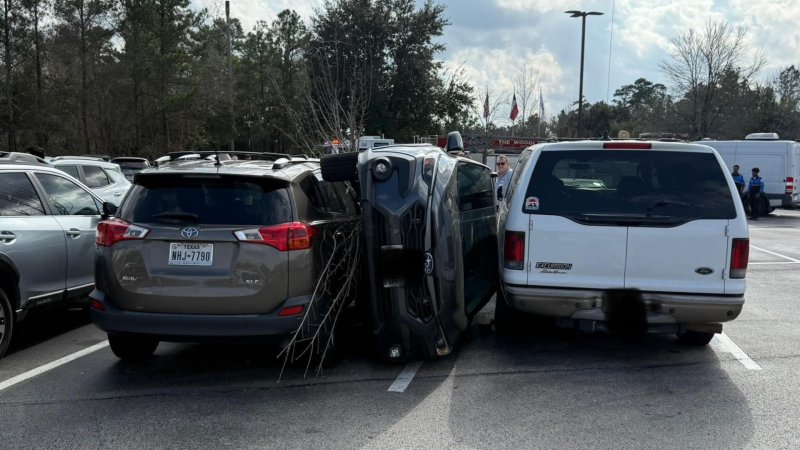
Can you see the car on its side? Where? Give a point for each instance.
(225, 250)
(104, 178)
(131, 165)
(662, 247)
(430, 243)
(47, 235)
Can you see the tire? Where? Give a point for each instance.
(7, 320)
(132, 349)
(695, 338)
(339, 167)
(507, 321)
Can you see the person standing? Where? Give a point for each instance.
(754, 189)
(738, 179)
(503, 176)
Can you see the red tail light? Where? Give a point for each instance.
(284, 237)
(740, 254)
(291, 311)
(514, 250)
(789, 185)
(627, 145)
(111, 231)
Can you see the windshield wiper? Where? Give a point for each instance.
(176, 215)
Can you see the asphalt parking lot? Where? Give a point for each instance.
(542, 391)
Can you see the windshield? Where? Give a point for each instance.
(624, 183)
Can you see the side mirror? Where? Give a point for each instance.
(109, 210)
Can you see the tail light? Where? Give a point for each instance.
(291, 311)
(284, 237)
(111, 231)
(514, 250)
(789, 185)
(740, 254)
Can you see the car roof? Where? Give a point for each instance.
(283, 168)
(84, 162)
(633, 145)
(21, 158)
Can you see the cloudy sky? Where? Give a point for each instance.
(491, 39)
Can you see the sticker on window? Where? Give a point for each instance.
(532, 204)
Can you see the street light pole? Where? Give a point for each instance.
(582, 15)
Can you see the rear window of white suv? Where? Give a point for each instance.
(604, 186)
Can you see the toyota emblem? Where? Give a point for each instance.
(190, 232)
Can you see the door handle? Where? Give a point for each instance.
(7, 236)
(73, 233)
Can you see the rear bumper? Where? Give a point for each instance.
(660, 308)
(195, 327)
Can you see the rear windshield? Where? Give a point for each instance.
(673, 186)
(133, 164)
(217, 200)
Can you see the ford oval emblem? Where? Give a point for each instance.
(704, 270)
(428, 263)
(190, 232)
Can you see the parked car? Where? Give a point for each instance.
(663, 247)
(217, 250)
(104, 178)
(779, 164)
(47, 231)
(430, 230)
(131, 165)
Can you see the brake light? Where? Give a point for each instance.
(284, 237)
(789, 185)
(740, 254)
(111, 231)
(627, 145)
(514, 250)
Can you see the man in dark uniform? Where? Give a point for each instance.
(738, 179)
(754, 193)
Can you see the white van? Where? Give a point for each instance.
(778, 160)
(603, 235)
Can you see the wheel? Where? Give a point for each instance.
(6, 323)
(132, 349)
(339, 167)
(696, 338)
(507, 321)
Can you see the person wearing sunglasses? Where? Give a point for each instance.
(503, 176)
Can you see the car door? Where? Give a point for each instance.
(478, 222)
(78, 212)
(31, 242)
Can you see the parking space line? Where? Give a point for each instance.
(775, 254)
(404, 379)
(51, 365)
(726, 344)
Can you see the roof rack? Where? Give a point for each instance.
(241, 155)
(282, 163)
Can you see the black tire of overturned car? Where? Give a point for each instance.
(339, 167)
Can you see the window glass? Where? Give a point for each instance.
(215, 201)
(518, 169)
(66, 197)
(18, 197)
(474, 187)
(95, 177)
(72, 170)
(347, 193)
(653, 184)
(328, 195)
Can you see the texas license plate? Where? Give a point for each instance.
(181, 254)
